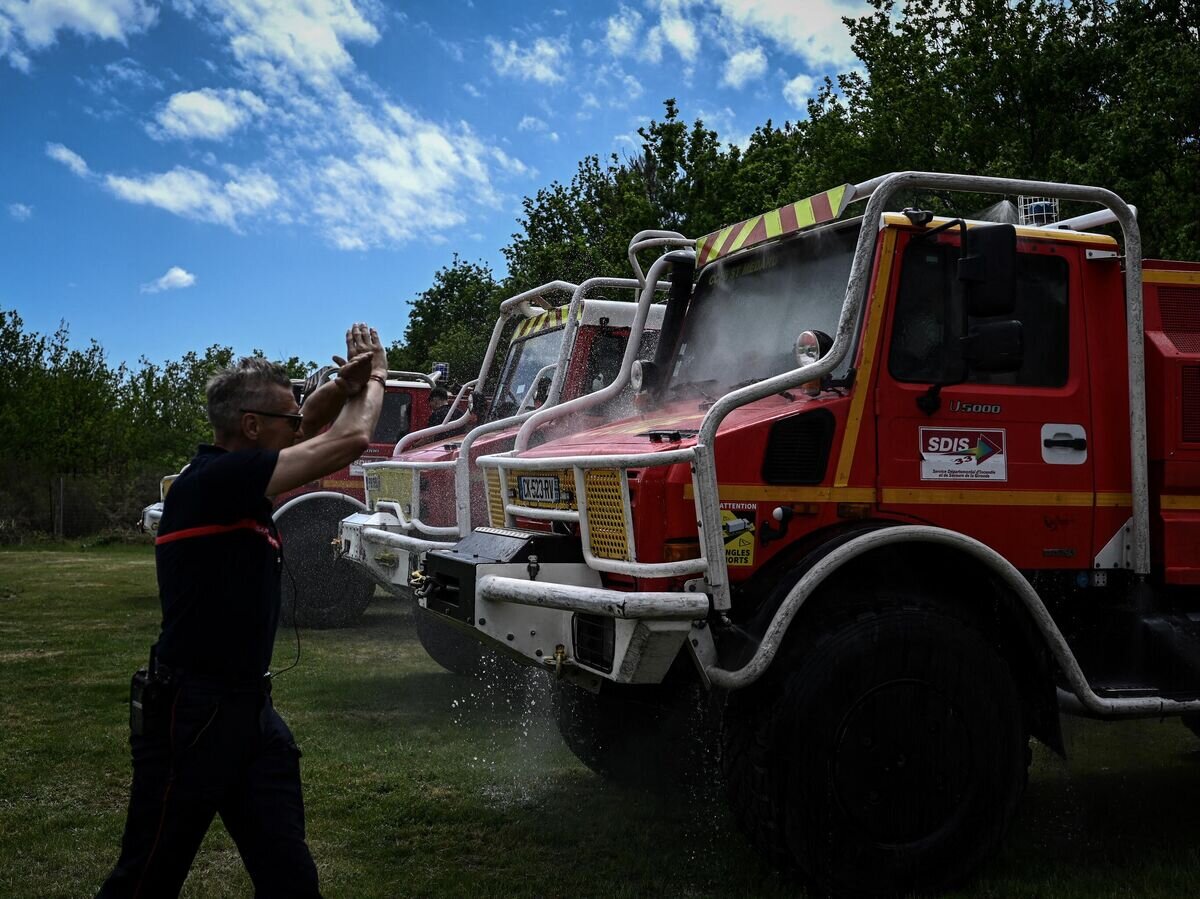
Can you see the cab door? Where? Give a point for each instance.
(1003, 458)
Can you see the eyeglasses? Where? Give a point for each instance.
(295, 419)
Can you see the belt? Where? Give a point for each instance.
(180, 677)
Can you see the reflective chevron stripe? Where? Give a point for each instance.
(814, 210)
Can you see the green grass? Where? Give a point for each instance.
(419, 783)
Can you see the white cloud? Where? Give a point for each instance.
(304, 39)
(176, 278)
(28, 26)
(680, 33)
(743, 67)
(124, 73)
(472, 90)
(798, 90)
(531, 123)
(453, 49)
(20, 211)
(342, 157)
(542, 61)
(193, 195)
(406, 177)
(69, 158)
(674, 28)
(813, 30)
(205, 114)
(621, 30)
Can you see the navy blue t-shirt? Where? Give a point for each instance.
(218, 558)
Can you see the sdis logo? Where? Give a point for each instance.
(948, 445)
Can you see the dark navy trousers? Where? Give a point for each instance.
(208, 751)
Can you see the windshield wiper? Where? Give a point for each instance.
(696, 386)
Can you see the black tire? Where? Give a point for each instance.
(651, 735)
(886, 752)
(460, 653)
(454, 650)
(320, 589)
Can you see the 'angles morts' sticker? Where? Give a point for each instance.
(962, 454)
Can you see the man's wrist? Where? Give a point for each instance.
(347, 388)
(381, 380)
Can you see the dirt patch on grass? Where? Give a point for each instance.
(24, 655)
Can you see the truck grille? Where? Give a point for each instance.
(393, 485)
(495, 498)
(595, 640)
(1180, 308)
(606, 514)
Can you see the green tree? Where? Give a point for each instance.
(451, 321)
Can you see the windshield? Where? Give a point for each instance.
(747, 312)
(525, 359)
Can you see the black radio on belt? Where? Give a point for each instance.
(149, 692)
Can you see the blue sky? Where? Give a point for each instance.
(261, 173)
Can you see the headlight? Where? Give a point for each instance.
(641, 376)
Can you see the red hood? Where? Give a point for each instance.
(495, 442)
(656, 430)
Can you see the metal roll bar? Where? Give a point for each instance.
(520, 303)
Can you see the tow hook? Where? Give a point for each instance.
(417, 580)
(560, 656)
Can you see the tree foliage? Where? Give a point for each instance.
(451, 321)
(1103, 92)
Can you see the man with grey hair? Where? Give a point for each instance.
(205, 737)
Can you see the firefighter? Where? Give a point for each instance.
(205, 737)
(439, 405)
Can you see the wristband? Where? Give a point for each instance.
(380, 378)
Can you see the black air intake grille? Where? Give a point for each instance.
(1191, 404)
(798, 449)
(595, 641)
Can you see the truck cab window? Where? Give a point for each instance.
(922, 347)
(393, 419)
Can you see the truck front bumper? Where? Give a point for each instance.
(530, 594)
(377, 542)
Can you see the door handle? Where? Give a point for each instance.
(1075, 443)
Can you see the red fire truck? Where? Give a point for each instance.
(319, 589)
(424, 498)
(901, 488)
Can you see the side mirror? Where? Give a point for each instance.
(988, 270)
(995, 347)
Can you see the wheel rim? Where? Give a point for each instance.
(902, 764)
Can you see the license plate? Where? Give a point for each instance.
(356, 468)
(539, 490)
